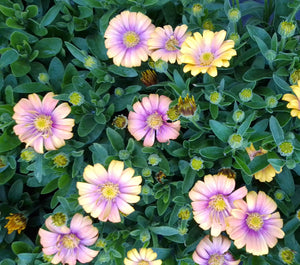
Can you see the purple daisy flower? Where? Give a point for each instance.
(69, 244)
(215, 251)
(126, 38)
(149, 118)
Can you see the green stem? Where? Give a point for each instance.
(169, 76)
(238, 4)
(282, 44)
(292, 15)
(196, 124)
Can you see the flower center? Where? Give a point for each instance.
(43, 123)
(218, 203)
(254, 221)
(154, 121)
(171, 44)
(131, 39)
(206, 58)
(70, 241)
(109, 190)
(216, 259)
(143, 262)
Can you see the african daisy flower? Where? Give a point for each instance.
(126, 38)
(205, 53)
(268, 173)
(145, 256)
(40, 124)
(149, 119)
(69, 244)
(212, 201)
(214, 252)
(294, 100)
(253, 223)
(109, 193)
(165, 43)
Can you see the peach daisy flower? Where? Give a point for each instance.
(254, 224)
(149, 119)
(40, 124)
(145, 256)
(69, 244)
(294, 100)
(214, 251)
(205, 53)
(109, 193)
(268, 173)
(165, 43)
(212, 201)
(126, 38)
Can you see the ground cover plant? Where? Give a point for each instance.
(147, 132)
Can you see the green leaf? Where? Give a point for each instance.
(64, 181)
(99, 153)
(189, 180)
(78, 54)
(212, 152)
(20, 247)
(12, 23)
(291, 226)
(285, 181)
(214, 110)
(7, 262)
(8, 142)
(260, 33)
(276, 130)
(6, 175)
(164, 230)
(245, 125)
(51, 186)
(48, 47)
(162, 206)
(257, 260)
(32, 11)
(51, 14)
(96, 45)
(242, 165)
(281, 83)
(257, 74)
(87, 125)
(261, 45)
(33, 87)
(7, 11)
(20, 68)
(8, 57)
(258, 163)
(122, 71)
(220, 130)
(18, 38)
(115, 139)
(16, 191)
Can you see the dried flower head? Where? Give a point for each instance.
(149, 77)
(16, 222)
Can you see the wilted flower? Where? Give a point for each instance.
(126, 38)
(214, 252)
(253, 223)
(107, 193)
(228, 172)
(212, 201)
(173, 113)
(16, 222)
(143, 257)
(204, 53)
(294, 100)
(268, 173)
(120, 122)
(186, 106)
(149, 77)
(149, 120)
(69, 244)
(40, 124)
(165, 43)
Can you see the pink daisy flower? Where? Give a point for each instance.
(40, 124)
(165, 43)
(149, 118)
(109, 193)
(126, 38)
(214, 252)
(212, 201)
(69, 244)
(253, 223)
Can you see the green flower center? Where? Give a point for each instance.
(131, 39)
(254, 221)
(206, 58)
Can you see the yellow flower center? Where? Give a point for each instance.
(255, 221)
(109, 190)
(216, 259)
(197, 164)
(143, 262)
(70, 241)
(171, 44)
(218, 203)
(43, 123)
(206, 58)
(154, 121)
(131, 39)
(60, 160)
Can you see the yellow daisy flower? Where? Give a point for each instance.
(294, 100)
